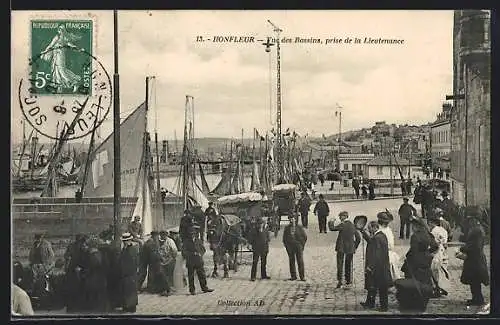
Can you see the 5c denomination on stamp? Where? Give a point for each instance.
(51, 108)
(56, 70)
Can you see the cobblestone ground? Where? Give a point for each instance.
(316, 296)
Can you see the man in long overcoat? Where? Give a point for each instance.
(95, 279)
(193, 252)
(41, 256)
(129, 263)
(146, 266)
(294, 240)
(348, 241)
(475, 269)
(377, 267)
(259, 237)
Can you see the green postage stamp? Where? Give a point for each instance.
(61, 52)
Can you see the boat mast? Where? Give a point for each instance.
(89, 153)
(158, 185)
(185, 158)
(277, 30)
(116, 138)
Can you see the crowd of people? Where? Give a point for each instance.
(97, 276)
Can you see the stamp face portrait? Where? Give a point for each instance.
(60, 64)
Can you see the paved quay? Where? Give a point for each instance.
(317, 295)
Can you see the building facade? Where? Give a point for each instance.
(441, 133)
(354, 162)
(470, 118)
(387, 168)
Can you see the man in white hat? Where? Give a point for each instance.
(128, 275)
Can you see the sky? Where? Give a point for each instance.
(230, 82)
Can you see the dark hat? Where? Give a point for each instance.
(444, 193)
(210, 203)
(321, 196)
(154, 233)
(360, 221)
(405, 199)
(163, 234)
(384, 217)
(343, 213)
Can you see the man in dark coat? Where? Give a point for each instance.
(304, 204)
(129, 262)
(377, 267)
(210, 212)
(409, 185)
(193, 251)
(355, 185)
(74, 263)
(294, 240)
(135, 228)
(417, 265)
(200, 219)
(259, 239)
(348, 241)
(322, 210)
(95, 279)
(185, 226)
(475, 269)
(405, 212)
(371, 190)
(146, 261)
(428, 201)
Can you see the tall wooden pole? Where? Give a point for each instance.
(116, 138)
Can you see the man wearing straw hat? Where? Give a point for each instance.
(348, 241)
(128, 274)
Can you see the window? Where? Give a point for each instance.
(380, 170)
(346, 166)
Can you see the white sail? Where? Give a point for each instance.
(143, 206)
(198, 196)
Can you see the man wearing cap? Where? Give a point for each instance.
(193, 251)
(405, 212)
(129, 262)
(210, 212)
(304, 204)
(348, 241)
(147, 261)
(41, 257)
(259, 239)
(135, 227)
(322, 210)
(294, 239)
(168, 255)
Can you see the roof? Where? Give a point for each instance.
(387, 161)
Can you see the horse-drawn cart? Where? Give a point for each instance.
(283, 203)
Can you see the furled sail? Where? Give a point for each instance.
(100, 180)
(224, 186)
(204, 185)
(236, 183)
(255, 185)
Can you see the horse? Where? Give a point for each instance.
(224, 240)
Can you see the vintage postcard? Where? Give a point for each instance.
(295, 163)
